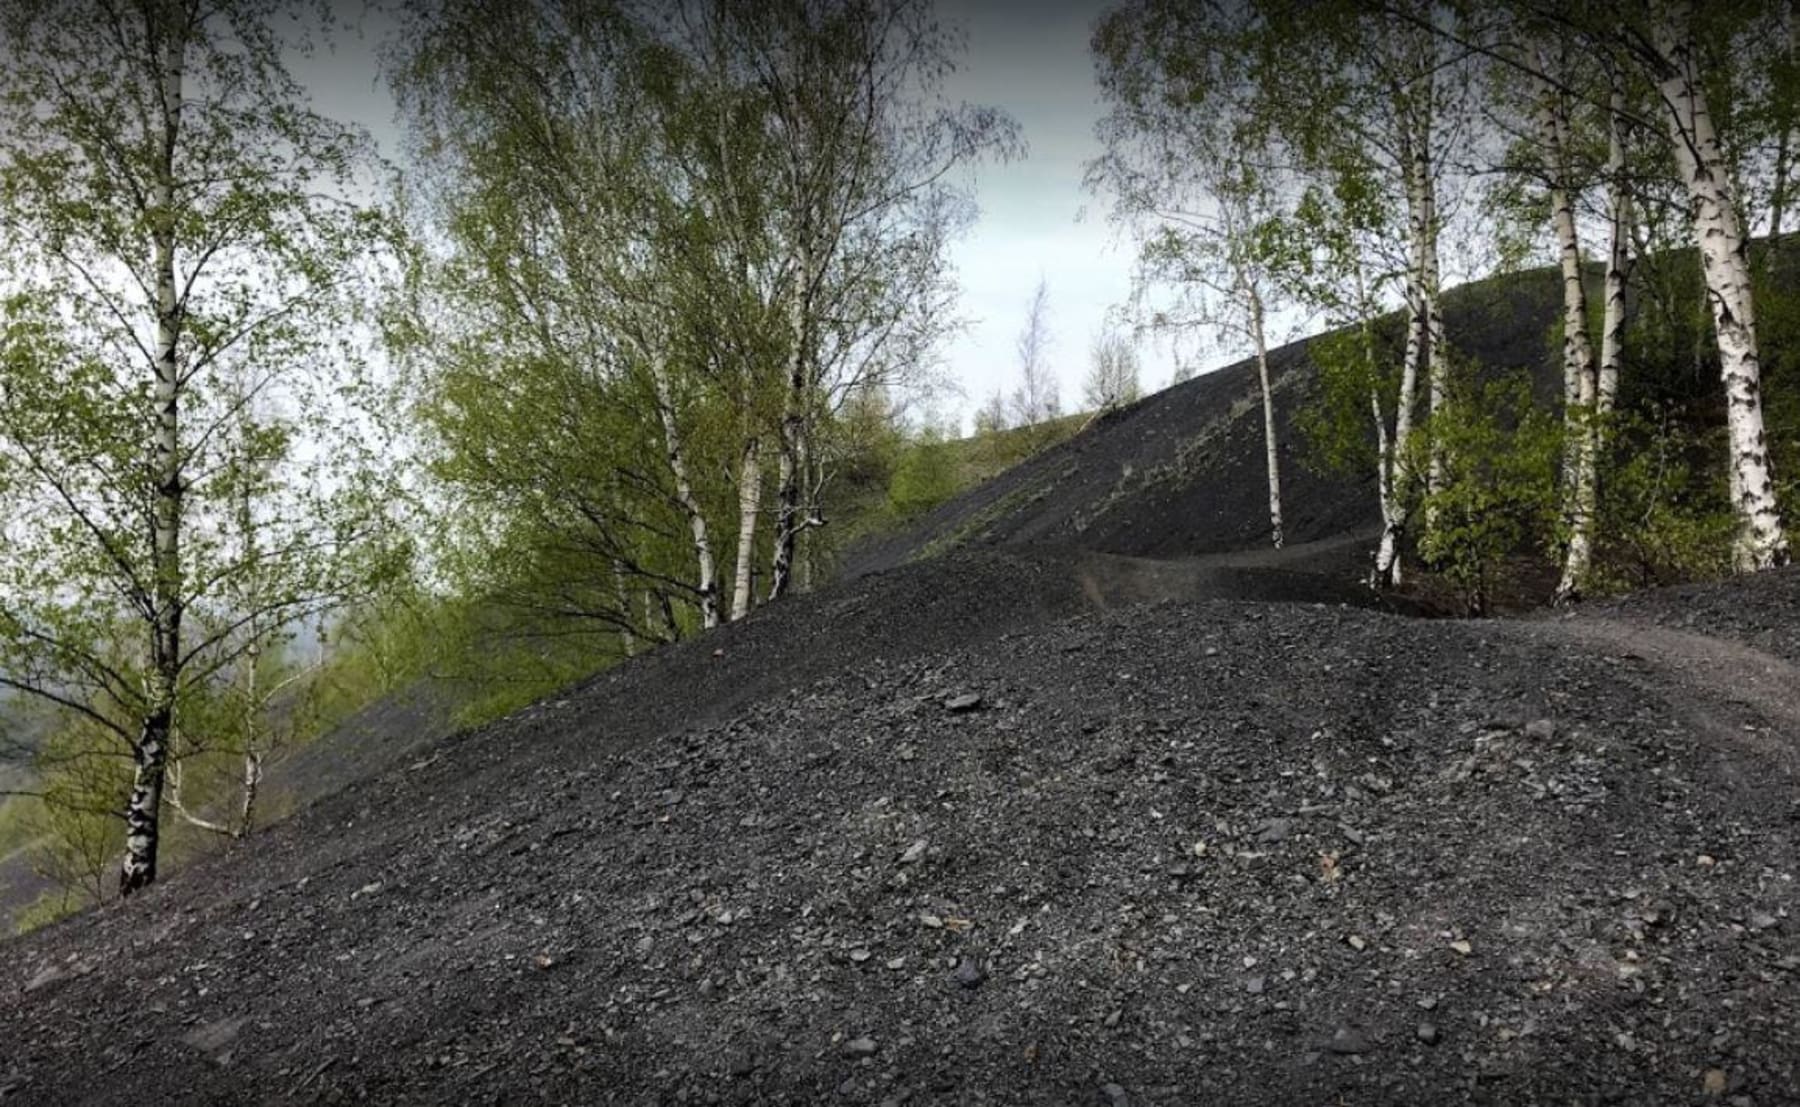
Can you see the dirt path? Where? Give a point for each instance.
(1325, 571)
(1713, 671)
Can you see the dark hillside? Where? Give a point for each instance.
(1269, 853)
(1045, 818)
(1181, 472)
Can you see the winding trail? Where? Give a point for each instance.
(1712, 672)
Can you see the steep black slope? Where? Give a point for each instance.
(1042, 820)
(1256, 852)
(1182, 472)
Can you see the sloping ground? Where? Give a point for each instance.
(1191, 849)
(367, 743)
(1182, 471)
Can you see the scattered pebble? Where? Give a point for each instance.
(1348, 1040)
(970, 974)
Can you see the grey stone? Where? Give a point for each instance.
(1274, 830)
(1348, 1039)
(970, 974)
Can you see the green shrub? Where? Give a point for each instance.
(925, 476)
(1665, 513)
(1499, 498)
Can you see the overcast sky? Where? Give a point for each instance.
(1032, 60)
(1036, 218)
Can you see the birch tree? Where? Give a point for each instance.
(1338, 253)
(1661, 41)
(557, 326)
(173, 216)
(1390, 99)
(1038, 398)
(1673, 61)
(676, 242)
(1112, 379)
(863, 204)
(1580, 370)
(1191, 175)
(1590, 378)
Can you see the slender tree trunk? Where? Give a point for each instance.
(708, 587)
(749, 508)
(253, 774)
(1419, 120)
(1387, 552)
(1253, 299)
(1579, 377)
(252, 728)
(1761, 540)
(622, 594)
(1388, 570)
(1437, 347)
(787, 508)
(143, 810)
(1618, 266)
(790, 494)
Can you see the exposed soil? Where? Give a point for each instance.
(1190, 848)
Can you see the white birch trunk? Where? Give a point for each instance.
(1253, 300)
(1579, 377)
(253, 774)
(1618, 266)
(1388, 570)
(151, 751)
(1437, 348)
(622, 594)
(789, 520)
(1386, 554)
(749, 508)
(252, 731)
(707, 587)
(1761, 540)
(1420, 119)
(790, 472)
